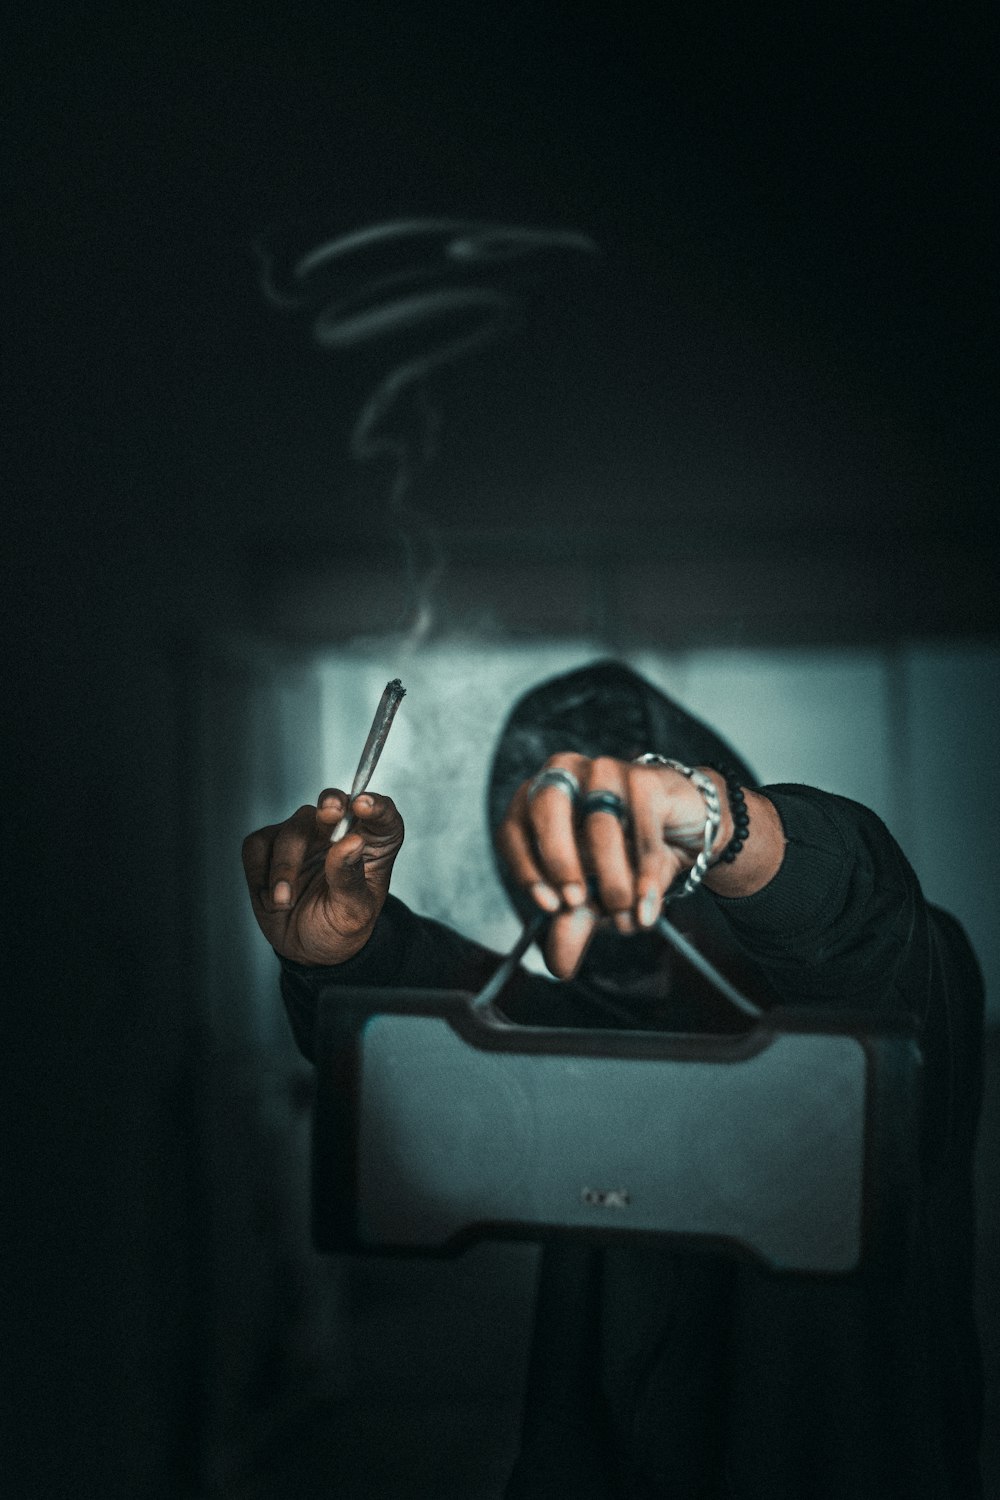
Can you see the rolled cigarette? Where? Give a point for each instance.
(374, 745)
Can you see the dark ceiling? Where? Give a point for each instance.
(785, 338)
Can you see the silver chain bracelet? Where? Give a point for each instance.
(713, 817)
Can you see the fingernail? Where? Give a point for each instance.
(649, 908)
(582, 917)
(624, 922)
(331, 804)
(363, 803)
(282, 893)
(573, 894)
(545, 896)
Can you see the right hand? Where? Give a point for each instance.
(317, 902)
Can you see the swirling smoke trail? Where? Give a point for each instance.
(462, 285)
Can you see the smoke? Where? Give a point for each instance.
(443, 289)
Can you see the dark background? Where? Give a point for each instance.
(783, 359)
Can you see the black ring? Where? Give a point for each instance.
(606, 802)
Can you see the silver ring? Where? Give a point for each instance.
(554, 777)
(605, 802)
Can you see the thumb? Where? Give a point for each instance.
(359, 867)
(349, 903)
(379, 821)
(360, 864)
(344, 866)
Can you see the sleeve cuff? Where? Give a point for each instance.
(375, 964)
(814, 873)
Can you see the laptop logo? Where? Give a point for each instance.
(605, 1197)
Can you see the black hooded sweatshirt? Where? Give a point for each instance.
(686, 1376)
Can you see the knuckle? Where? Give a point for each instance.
(653, 863)
(562, 760)
(560, 856)
(649, 846)
(534, 815)
(640, 780)
(380, 810)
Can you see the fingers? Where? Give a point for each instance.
(566, 940)
(378, 820)
(317, 902)
(346, 898)
(514, 846)
(256, 862)
(551, 851)
(605, 842)
(556, 849)
(272, 857)
(656, 864)
(549, 831)
(295, 841)
(331, 805)
(280, 859)
(362, 860)
(279, 862)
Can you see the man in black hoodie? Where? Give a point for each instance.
(658, 1373)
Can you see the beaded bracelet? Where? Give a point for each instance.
(738, 807)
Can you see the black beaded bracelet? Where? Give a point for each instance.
(738, 808)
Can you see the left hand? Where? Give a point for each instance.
(554, 854)
(316, 902)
